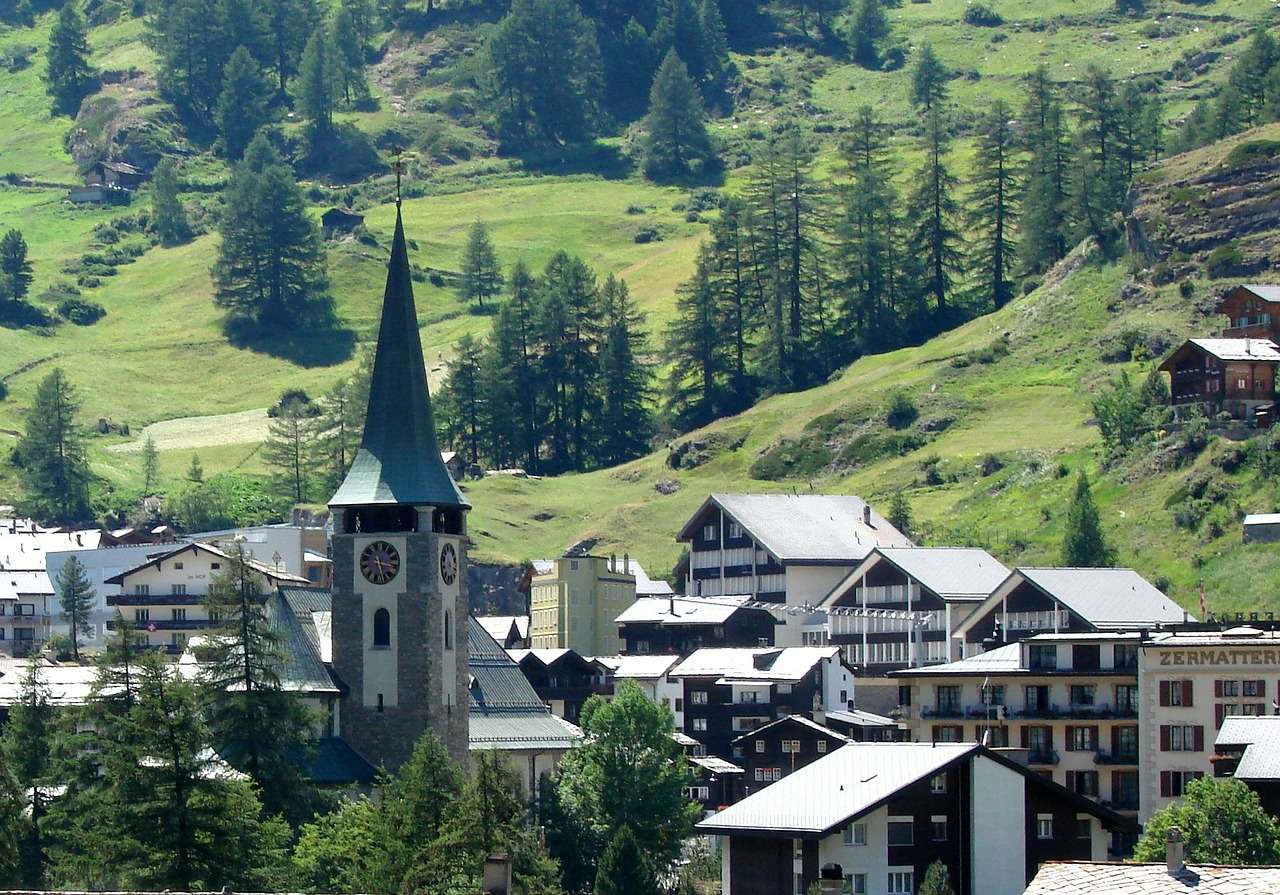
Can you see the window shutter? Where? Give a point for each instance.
(1262, 687)
(1025, 733)
(1071, 738)
(1093, 736)
(1218, 711)
(1217, 689)
(1164, 692)
(1186, 693)
(1164, 737)
(1199, 737)
(1115, 744)
(1166, 781)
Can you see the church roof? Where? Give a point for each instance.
(398, 461)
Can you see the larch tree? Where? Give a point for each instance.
(626, 377)
(867, 32)
(167, 211)
(1084, 544)
(349, 51)
(933, 216)
(15, 268)
(150, 466)
(1045, 199)
(481, 272)
(676, 142)
(54, 469)
(69, 77)
(289, 450)
(928, 80)
(993, 210)
(696, 350)
(243, 104)
(462, 401)
(26, 747)
(317, 91)
(77, 597)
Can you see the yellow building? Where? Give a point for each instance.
(574, 601)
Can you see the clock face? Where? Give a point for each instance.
(448, 564)
(380, 562)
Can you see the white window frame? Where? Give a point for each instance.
(855, 834)
(901, 881)
(938, 784)
(1044, 826)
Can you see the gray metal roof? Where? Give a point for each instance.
(1239, 349)
(1001, 660)
(398, 461)
(1244, 730)
(795, 719)
(754, 664)
(1266, 293)
(687, 610)
(859, 718)
(1077, 877)
(950, 571)
(1107, 597)
(714, 765)
(1262, 519)
(644, 667)
(302, 668)
(806, 528)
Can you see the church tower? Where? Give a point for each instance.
(400, 614)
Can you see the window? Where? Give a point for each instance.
(1174, 783)
(709, 532)
(1083, 828)
(901, 882)
(1042, 657)
(1181, 738)
(993, 694)
(1037, 698)
(822, 746)
(142, 615)
(1126, 742)
(1255, 688)
(573, 566)
(700, 724)
(142, 590)
(1044, 826)
(784, 689)
(938, 828)
(180, 590)
(735, 530)
(947, 733)
(1228, 688)
(902, 831)
(1126, 697)
(856, 883)
(178, 640)
(178, 566)
(855, 834)
(948, 699)
(379, 703)
(179, 615)
(27, 609)
(679, 703)
(698, 697)
(1083, 739)
(1086, 657)
(1126, 656)
(448, 630)
(215, 565)
(1176, 693)
(1083, 783)
(938, 784)
(1082, 694)
(790, 747)
(381, 628)
(759, 746)
(748, 696)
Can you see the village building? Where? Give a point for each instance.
(879, 814)
(769, 753)
(861, 726)
(1069, 700)
(575, 600)
(1261, 528)
(29, 609)
(298, 549)
(1233, 376)
(508, 631)
(1252, 312)
(1065, 601)
(1248, 748)
(163, 599)
(1190, 682)
(652, 674)
(728, 692)
(340, 220)
(785, 549)
(682, 625)
(563, 679)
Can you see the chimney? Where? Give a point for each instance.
(613, 562)
(626, 563)
(1175, 851)
(866, 514)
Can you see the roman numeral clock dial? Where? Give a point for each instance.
(380, 562)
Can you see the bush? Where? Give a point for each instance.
(990, 465)
(900, 411)
(80, 311)
(1252, 152)
(1224, 261)
(802, 457)
(1186, 288)
(982, 15)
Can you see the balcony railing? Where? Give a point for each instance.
(1097, 712)
(1043, 756)
(1104, 757)
(943, 711)
(155, 599)
(167, 624)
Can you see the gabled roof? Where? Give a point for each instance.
(953, 573)
(500, 627)
(1266, 293)
(1262, 350)
(859, 718)
(273, 576)
(761, 665)
(688, 610)
(1076, 877)
(1103, 598)
(714, 764)
(792, 720)
(550, 657)
(803, 529)
(398, 461)
(303, 668)
(66, 684)
(1260, 735)
(25, 583)
(646, 667)
(1001, 660)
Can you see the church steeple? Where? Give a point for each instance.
(398, 462)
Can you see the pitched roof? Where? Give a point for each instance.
(1075, 877)
(1266, 293)
(25, 583)
(714, 764)
(546, 657)
(953, 573)
(1260, 735)
(754, 664)
(1239, 349)
(1001, 660)
(642, 667)
(794, 719)
(499, 627)
(303, 668)
(859, 718)
(806, 528)
(271, 573)
(688, 610)
(398, 461)
(646, 586)
(334, 762)
(67, 684)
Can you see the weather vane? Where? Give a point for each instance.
(399, 168)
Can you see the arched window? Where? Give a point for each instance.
(381, 628)
(448, 630)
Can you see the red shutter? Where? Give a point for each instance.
(1164, 692)
(1071, 738)
(1262, 688)
(1199, 737)
(1164, 737)
(1166, 781)
(1025, 733)
(1093, 737)
(1186, 693)
(1218, 712)
(1217, 689)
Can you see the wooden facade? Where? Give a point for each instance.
(1251, 312)
(1217, 381)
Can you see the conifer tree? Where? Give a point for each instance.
(15, 268)
(676, 143)
(928, 80)
(481, 272)
(166, 208)
(339, 426)
(1084, 544)
(26, 745)
(679, 29)
(289, 448)
(189, 40)
(270, 270)
(78, 598)
(242, 105)
(150, 466)
(625, 376)
(736, 285)
(195, 472)
(317, 80)
(523, 372)
(55, 471)
(1101, 178)
(715, 46)
(869, 29)
(461, 405)
(1249, 74)
(69, 77)
(900, 513)
(996, 181)
(695, 350)
(1044, 204)
(364, 19)
(349, 57)
(13, 829)
(623, 869)
(260, 727)
(932, 212)
(570, 328)
(288, 24)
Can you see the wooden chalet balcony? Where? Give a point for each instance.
(166, 599)
(167, 624)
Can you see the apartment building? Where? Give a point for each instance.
(574, 602)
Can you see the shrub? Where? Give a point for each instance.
(1224, 261)
(900, 411)
(802, 457)
(990, 465)
(982, 15)
(1252, 152)
(1186, 288)
(80, 311)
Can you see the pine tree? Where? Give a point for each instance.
(242, 105)
(481, 272)
(993, 213)
(523, 374)
(932, 212)
(150, 466)
(462, 400)
(900, 513)
(270, 270)
(1084, 544)
(1044, 202)
(868, 31)
(195, 472)
(166, 208)
(78, 598)
(364, 19)
(623, 869)
(260, 727)
(25, 748)
(696, 350)
(736, 285)
(288, 450)
(55, 471)
(289, 24)
(625, 376)
(1249, 74)
(13, 829)
(928, 80)
(316, 91)
(349, 56)
(69, 77)
(676, 143)
(15, 269)
(189, 41)
(715, 47)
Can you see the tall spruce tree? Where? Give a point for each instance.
(26, 746)
(696, 350)
(676, 142)
(189, 39)
(349, 49)
(481, 272)
(571, 320)
(15, 268)
(932, 212)
(462, 402)
(993, 212)
(77, 597)
(1083, 543)
(167, 211)
(69, 77)
(270, 270)
(150, 466)
(243, 104)
(54, 469)
(317, 92)
(625, 376)
(523, 373)
(1044, 203)
(624, 869)
(288, 25)
(867, 32)
(928, 80)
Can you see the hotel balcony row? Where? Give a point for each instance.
(1099, 712)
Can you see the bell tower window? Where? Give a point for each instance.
(382, 628)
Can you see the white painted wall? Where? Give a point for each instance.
(871, 859)
(998, 852)
(836, 679)
(381, 671)
(101, 564)
(806, 585)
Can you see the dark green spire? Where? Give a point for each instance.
(399, 460)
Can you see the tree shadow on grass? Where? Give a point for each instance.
(601, 159)
(317, 347)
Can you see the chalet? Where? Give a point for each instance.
(1248, 748)
(340, 220)
(681, 625)
(728, 692)
(563, 680)
(510, 631)
(1252, 311)
(652, 674)
(781, 747)
(900, 606)
(1065, 601)
(789, 549)
(717, 783)
(1236, 376)
(860, 726)
(117, 174)
(1261, 528)
(880, 813)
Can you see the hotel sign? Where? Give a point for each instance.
(1211, 657)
